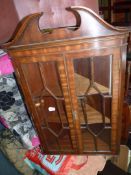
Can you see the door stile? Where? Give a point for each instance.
(116, 118)
(63, 79)
(74, 103)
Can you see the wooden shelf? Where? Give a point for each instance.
(93, 115)
(82, 83)
(103, 141)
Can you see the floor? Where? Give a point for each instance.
(6, 167)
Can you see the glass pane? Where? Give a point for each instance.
(48, 99)
(93, 86)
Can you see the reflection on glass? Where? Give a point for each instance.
(93, 85)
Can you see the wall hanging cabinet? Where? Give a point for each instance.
(72, 79)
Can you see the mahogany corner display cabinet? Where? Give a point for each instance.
(72, 79)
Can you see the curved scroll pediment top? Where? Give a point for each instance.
(88, 24)
(89, 17)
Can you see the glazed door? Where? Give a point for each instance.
(44, 83)
(94, 92)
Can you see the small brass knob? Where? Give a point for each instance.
(37, 104)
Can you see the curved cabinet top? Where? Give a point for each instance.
(88, 25)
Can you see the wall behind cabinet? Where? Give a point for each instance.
(12, 11)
